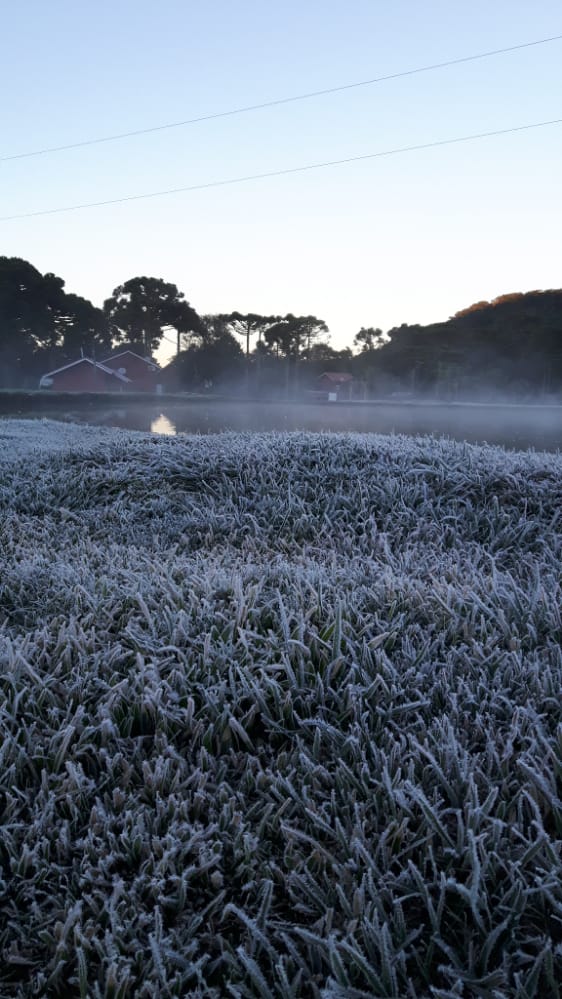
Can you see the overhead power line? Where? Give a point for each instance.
(281, 173)
(279, 101)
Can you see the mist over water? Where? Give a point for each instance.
(514, 426)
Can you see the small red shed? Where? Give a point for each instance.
(338, 383)
(85, 375)
(143, 373)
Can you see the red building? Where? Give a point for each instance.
(85, 375)
(335, 383)
(143, 373)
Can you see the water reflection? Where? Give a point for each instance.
(512, 426)
(162, 425)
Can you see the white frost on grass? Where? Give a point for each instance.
(280, 716)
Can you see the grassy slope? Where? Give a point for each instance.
(280, 716)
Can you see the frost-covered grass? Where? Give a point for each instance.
(280, 716)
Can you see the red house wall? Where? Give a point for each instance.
(342, 389)
(85, 378)
(143, 379)
(331, 385)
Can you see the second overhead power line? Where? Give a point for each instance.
(284, 172)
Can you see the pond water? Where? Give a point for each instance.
(513, 426)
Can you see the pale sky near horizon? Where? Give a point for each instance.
(405, 238)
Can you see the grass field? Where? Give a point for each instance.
(280, 716)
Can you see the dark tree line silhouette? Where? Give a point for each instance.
(511, 346)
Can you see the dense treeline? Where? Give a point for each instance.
(511, 346)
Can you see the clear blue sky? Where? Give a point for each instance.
(411, 238)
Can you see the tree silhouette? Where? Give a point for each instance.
(248, 325)
(292, 335)
(323, 353)
(292, 338)
(208, 363)
(368, 338)
(40, 325)
(142, 308)
(214, 326)
(29, 305)
(83, 328)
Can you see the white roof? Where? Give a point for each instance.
(122, 353)
(85, 360)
